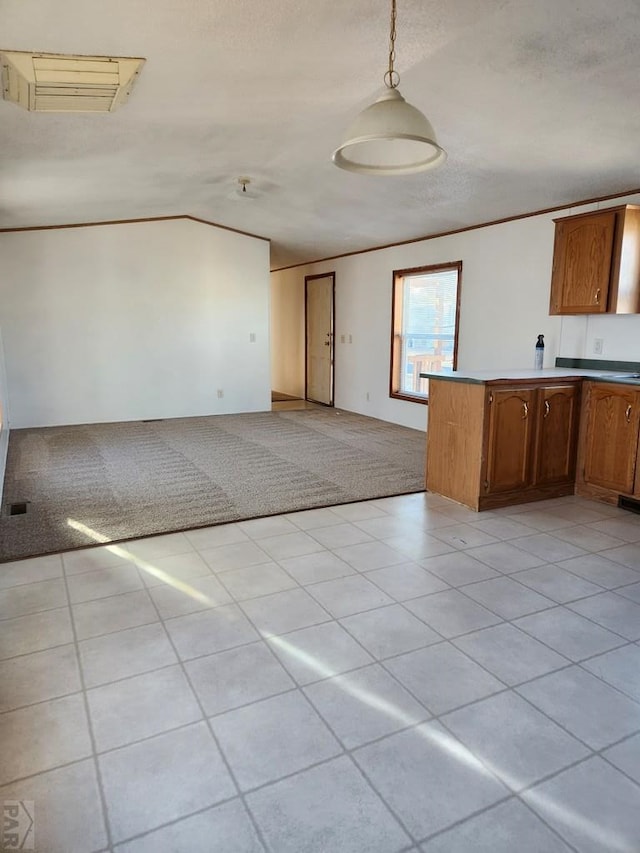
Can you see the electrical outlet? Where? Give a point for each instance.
(350, 339)
(342, 339)
(252, 337)
(220, 393)
(598, 346)
(367, 396)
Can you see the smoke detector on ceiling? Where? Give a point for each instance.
(55, 82)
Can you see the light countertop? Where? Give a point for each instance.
(549, 374)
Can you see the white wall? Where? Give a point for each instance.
(504, 305)
(4, 418)
(620, 336)
(130, 321)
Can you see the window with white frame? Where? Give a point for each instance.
(424, 333)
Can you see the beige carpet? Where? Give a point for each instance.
(127, 480)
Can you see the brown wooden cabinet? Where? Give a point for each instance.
(596, 263)
(531, 440)
(610, 438)
(509, 440)
(558, 414)
(504, 443)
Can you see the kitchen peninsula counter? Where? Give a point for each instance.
(502, 437)
(630, 376)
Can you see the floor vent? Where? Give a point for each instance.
(631, 504)
(19, 508)
(151, 420)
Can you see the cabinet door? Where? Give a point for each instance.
(613, 423)
(511, 422)
(556, 435)
(582, 259)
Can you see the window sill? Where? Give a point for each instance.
(397, 395)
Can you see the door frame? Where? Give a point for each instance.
(332, 353)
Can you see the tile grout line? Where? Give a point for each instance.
(301, 688)
(207, 723)
(363, 572)
(346, 753)
(394, 602)
(554, 606)
(615, 766)
(549, 826)
(173, 822)
(381, 661)
(338, 740)
(604, 680)
(85, 699)
(436, 718)
(5, 619)
(518, 794)
(511, 543)
(335, 620)
(513, 797)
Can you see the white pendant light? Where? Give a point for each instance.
(390, 137)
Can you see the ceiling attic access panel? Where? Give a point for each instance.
(52, 82)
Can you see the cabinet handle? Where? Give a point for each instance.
(525, 410)
(627, 414)
(597, 296)
(547, 409)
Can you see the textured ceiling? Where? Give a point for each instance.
(536, 104)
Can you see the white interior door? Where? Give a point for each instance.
(319, 298)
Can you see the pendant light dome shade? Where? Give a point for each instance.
(390, 137)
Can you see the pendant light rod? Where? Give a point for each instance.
(390, 137)
(392, 78)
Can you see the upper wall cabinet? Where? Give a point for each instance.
(596, 263)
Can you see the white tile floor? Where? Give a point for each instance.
(395, 675)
